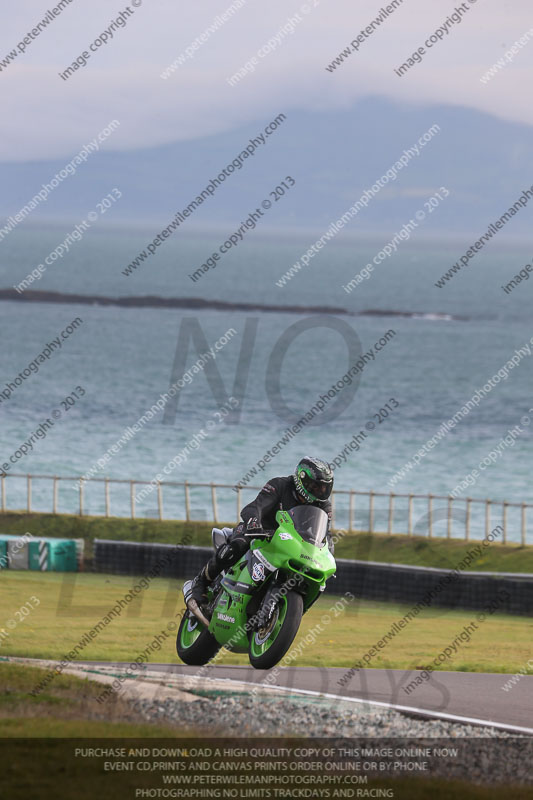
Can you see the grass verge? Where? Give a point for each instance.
(395, 549)
(70, 604)
(66, 708)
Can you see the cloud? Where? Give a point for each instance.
(52, 118)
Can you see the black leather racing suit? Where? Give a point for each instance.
(278, 494)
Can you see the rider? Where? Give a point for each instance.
(311, 483)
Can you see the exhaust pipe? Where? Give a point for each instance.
(195, 609)
(192, 605)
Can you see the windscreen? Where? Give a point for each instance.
(311, 523)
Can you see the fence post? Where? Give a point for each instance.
(351, 511)
(487, 517)
(504, 521)
(160, 499)
(214, 502)
(55, 495)
(187, 502)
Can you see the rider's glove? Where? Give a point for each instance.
(254, 527)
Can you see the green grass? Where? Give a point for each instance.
(66, 708)
(434, 552)
(71, 526)
(396, 549)
(70, 604)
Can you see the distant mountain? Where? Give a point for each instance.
(333, 157)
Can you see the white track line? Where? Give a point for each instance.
(410, 709)
(312, 693)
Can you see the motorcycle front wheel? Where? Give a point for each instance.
(269, 644)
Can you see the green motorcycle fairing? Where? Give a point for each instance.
(229, 618)
(287, 551)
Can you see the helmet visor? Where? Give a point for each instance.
(319, 489)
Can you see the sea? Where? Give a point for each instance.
(446, 343)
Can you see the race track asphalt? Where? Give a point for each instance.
(469, 697)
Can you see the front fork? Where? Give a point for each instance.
(281, 583)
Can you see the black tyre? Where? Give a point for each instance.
(269, 645)
(194, 644)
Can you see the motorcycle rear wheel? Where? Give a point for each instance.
(194, 644)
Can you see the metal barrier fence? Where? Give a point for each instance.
(400, 583)
(374, 512)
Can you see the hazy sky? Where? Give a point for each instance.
(47, 117)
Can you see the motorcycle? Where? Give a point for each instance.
(257, 605)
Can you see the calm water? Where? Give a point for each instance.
(123, 359)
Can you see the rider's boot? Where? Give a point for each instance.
(195, 591)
